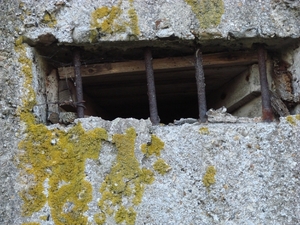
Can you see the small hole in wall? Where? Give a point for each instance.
(115, 85)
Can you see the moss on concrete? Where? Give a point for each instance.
(208, 12)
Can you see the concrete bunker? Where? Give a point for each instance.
(115, 85)
(256, 164)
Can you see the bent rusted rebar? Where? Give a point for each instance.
(151, 87)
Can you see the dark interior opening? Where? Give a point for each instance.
(125, 94)
(176, 93)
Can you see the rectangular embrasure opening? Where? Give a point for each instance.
(114, 82)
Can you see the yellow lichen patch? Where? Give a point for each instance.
(298, 116)
(106, 20)
(209, 177)
(49, 19)
(125, 180)
(56, 156)
(99, 218)
(19, 42)
(127, 215)
(291, 120)
(133, 24)
(53, 163)
(60, 157)
(208, 12)
(204, 131)
(26, 71)
(43, 218)
(154, 147)
(161, 166)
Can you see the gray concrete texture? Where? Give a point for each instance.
(256, 180)
(257, 164)
(72, 21)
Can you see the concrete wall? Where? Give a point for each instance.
(127, 171)
(92, 21)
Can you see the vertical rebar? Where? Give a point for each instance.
(200, 79)
(267, 113)
(78, 81)
(151, 88)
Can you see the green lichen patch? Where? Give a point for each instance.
(108, 20)
(209, 177)
(161, 166)
(154, 147)
(208, 12)
(291, 120)
(125, 180)
(204, 131)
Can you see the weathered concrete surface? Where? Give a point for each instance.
(257, 178)
(255, 172)
(257, 165)
(10, 92)
(92, 21)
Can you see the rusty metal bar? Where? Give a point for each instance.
(151, 87)
(78, 82)
(267, 113)
(200, 79)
